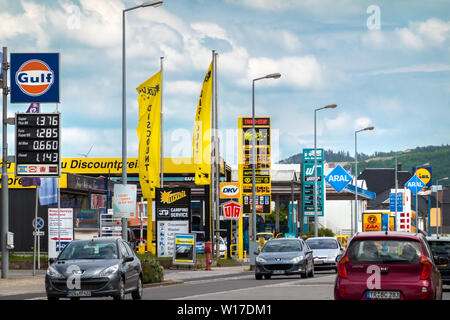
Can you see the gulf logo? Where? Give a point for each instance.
(424, 175)
(34, 77)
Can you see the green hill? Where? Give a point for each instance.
(438, 158)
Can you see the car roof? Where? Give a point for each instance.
(434, 238)
(284, 239)
(388, 234)
(314, 238)
(98, 239)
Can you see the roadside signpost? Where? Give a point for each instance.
(309, 176)
(338, 178)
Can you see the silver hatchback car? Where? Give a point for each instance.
(325, 250)
(96, 267)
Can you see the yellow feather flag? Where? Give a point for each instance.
(148, 131)
(201, 143)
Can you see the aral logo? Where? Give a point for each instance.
(34, 77)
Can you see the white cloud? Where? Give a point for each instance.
(419, 35)
(300, 72)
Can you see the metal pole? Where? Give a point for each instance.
(212, 164)
(396, 185)
(437, 212)
(161, 179)
(35, 221)
(216, 157)
(316, 227)
(252, 236)
(124, 119)
(356, 183)
(5, 191)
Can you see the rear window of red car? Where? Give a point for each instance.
(378, 251)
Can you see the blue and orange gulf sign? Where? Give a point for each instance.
(424, 173)
(35, 78)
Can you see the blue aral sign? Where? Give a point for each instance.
(35, 77)
(415, 184)
(338, 178)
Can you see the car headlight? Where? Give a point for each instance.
(297, 259)
(108, 271)
(53, 273)
(260, 259)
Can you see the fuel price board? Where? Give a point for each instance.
(38, 144)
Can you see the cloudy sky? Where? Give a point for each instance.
(384, 63)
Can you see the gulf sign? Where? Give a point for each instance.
(35, 77)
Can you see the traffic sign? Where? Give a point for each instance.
(338, 178)
(415, 184)
(38, 233)
(38, 223)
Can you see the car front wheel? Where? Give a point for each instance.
(121, 290)
(137, 295)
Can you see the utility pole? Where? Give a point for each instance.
(5, 191)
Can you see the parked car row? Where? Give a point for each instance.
(374, 266)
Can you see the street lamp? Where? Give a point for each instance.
(316, 223)
(437, 205)
(124, 105)
(253, 216)
(356, 175)
(416, 196)
(396, 179)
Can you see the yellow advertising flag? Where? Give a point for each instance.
(148, 132)
(201, 143)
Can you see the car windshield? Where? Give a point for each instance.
(440, 247)
(282, 246)
(384, 251)
(266, 236)
(89, 250)
(322, 243)
(200, 236)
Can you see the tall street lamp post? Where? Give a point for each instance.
(316, 222)
(124, 105)
(253, 216)
(356, 176)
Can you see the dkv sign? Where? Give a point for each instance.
(230, 190)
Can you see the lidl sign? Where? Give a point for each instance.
(424, 173)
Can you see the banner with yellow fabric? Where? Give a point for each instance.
(201, 143)
(148, 131)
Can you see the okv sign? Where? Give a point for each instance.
(338, 178)
(35, 78)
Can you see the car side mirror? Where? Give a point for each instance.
(339, 257)
(51, 261)
(128, 259)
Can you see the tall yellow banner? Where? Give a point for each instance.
(202, 132)
(148, 131)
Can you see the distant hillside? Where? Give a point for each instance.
(438, 158)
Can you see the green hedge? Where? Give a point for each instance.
(152, 271)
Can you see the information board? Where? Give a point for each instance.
(263, 162)
(37, 145)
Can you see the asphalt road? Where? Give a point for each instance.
(245, 287)
(238, 286)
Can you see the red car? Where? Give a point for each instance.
(388, 266)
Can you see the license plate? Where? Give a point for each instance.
(278, 271)
(79, 293)
(318, 261)
(383, 295)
